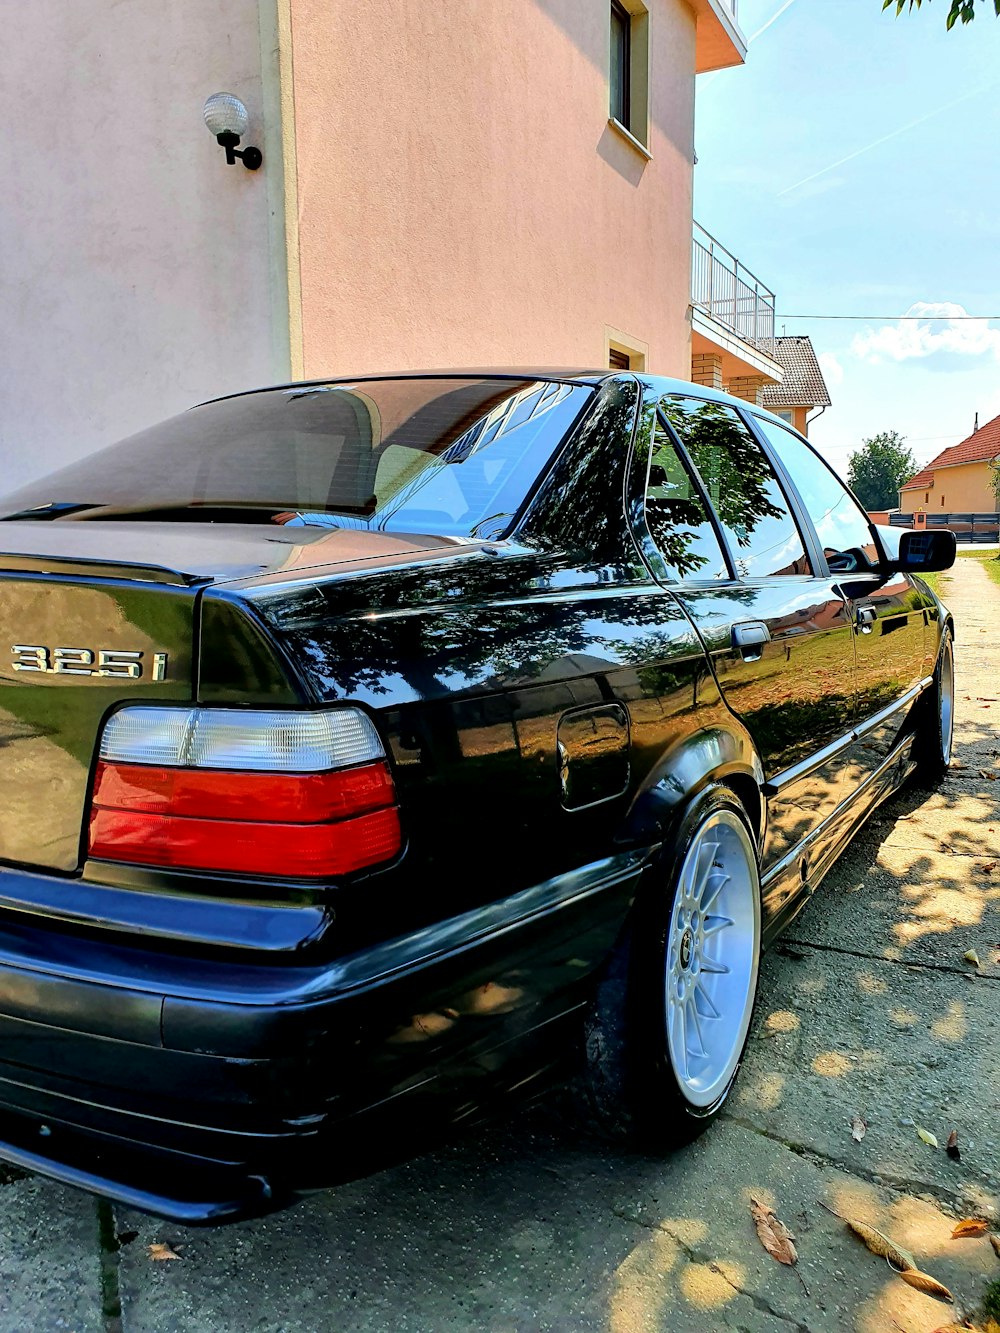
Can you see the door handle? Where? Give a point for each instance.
(865, 616)
(749, 637)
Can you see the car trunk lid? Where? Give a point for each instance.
(77, 638)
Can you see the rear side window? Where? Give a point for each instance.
(763, 537)
(676, 516)
(843, 529)
(450, 456)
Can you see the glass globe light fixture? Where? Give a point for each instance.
(227, 118)
(226, 114)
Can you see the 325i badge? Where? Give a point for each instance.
(122, 663)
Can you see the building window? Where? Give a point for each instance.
(629, 71)
(621, 64)
(942, 501)
(622, 351)
(927, 497)
(786, 414)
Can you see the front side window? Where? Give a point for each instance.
(843, 529)
(762, 534)
(676, 516)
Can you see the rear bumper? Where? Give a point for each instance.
(204, 1089)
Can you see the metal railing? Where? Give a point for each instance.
(727, 290)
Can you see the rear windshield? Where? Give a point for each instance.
(451, 456)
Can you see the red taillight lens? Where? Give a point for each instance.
(270, 798)
(237, 820)
(238, 847)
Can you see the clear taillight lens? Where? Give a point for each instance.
(258, 741)
(244, 791)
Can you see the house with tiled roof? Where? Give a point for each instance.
(959, 479)
(802, 387)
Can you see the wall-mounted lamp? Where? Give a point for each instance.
(226, 118)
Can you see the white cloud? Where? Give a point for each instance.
(833, 371)
(937, 330)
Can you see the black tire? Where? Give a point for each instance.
(935, 726)
(633, 1090)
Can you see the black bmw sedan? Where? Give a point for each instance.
(375, 749)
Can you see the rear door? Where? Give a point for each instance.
(778, 631)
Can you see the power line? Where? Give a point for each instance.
(923, 318)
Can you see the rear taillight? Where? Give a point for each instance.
(244, 792)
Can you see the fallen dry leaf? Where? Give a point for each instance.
(880, 1244)
(970, 1226)
(995, 1242)
(927, 1284)
(951, 1147)
(772, 1232)
(927, 1137)
(858, 1128)
(161, 1252)
(972, 957)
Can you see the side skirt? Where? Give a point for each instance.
(821, 848)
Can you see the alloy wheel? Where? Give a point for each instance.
(946, 700)
(713, 951)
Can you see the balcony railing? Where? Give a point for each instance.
(729, 292)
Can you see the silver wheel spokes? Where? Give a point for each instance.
(712, 954)
(947, 702)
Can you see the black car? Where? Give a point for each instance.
(374, 749)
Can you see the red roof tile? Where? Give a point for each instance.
(981, 446)
(924, 478)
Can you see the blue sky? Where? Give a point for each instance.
(911, 224)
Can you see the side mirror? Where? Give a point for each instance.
(925, 552)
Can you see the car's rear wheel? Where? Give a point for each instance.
(936, 727)
(669, 1022)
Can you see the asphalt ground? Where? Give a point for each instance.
(869, 1009)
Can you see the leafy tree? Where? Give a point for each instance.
(878, 469)
(959, 11)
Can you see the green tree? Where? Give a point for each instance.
(963, 11)
(995, 483)
(878, 469)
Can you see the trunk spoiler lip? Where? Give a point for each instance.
(14, 563)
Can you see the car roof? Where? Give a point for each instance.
(662, 384)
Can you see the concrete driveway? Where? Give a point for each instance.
(868, 1009)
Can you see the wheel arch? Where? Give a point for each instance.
(712, 754)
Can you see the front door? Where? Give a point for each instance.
(889, 613)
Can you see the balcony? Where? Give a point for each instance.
(727, 291)
(719, 43)
(732, 312)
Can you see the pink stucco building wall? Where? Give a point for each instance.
(462, 198)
